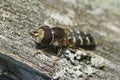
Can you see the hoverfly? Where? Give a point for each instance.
(63, 37)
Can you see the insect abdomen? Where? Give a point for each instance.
(77, 39)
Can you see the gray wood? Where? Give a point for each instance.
(18, 17)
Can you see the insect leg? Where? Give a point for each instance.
(56, 58)
(39, 52)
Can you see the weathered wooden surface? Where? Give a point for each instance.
(18, 17)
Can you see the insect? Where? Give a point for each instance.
(46, 36)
